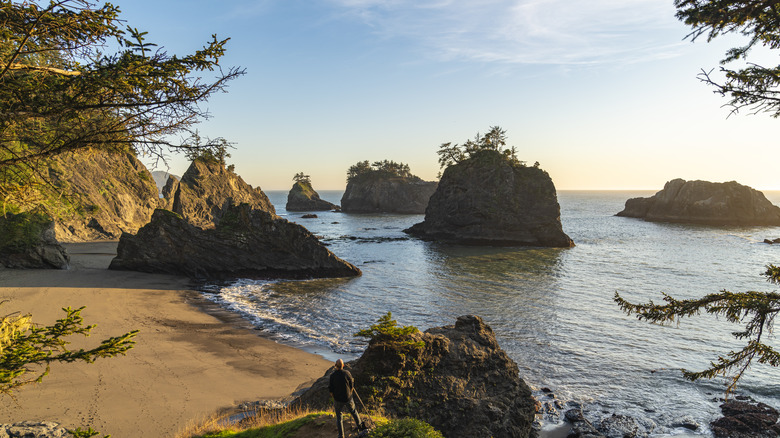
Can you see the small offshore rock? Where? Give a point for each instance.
(309, 216)
(303, 197)
(686, 423)
(623, 426)
(580, 426)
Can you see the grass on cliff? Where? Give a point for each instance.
(300, 424)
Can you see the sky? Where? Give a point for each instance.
(602, 93)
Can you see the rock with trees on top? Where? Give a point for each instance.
(486, 196)
(385, 187)
(246, 242)
(704, 202)
(303, 197)
(456, 378)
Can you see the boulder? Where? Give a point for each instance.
(247, 242)
(704, 202)
(580, 426)
(458, 380)
(380, 193)
(302, 197)
(33, 429)
(108, 193)
(27, 241)
(206, 188)
(490, 200)
(744, 419)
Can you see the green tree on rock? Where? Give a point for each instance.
(302, 178)
(755, 86)
(493, 140)
(757, 310)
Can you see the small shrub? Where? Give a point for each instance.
(405, 428)
(387, 328)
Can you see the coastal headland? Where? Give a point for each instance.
(190, 360)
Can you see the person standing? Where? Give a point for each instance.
(341, 386)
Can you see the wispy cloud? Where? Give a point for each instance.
(526, 31)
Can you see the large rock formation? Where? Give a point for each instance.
(206, 188)
(109, 192)
(247, 242)
(704, 202)
(27, 241)
(379, 193)
(460, 381)
(302, 197)
(490, 200)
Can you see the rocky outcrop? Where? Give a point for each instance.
(458, 380)
(161, 177)
(27, 241)
(109, 193)
(247, 242)
(302, 197)
(704, 202)
(491, 200)
(378, 193)
(743, 419)
(206, 188)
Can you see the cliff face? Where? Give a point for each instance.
(302, 197)
(112, 192)
(705, 202)
(487, 200)
(382, 194)
(247, 242)
(460, 382)
(205, 189)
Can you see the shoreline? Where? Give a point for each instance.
(191, 361)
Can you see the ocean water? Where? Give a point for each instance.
(552, 309)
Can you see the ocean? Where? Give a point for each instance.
(552, 309)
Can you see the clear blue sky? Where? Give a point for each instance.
(603, 93)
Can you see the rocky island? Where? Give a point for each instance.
(385, 187)
(456, 378)
(704, 202)
(303, 197)
(488, 197)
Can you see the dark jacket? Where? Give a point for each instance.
(341, 385)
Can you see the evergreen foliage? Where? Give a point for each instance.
(60, 92)
(302, 178)
(405, 428)
(757, 310)
(387, 329)
(754, 86)
(493, 140)
(384, 168)
(28, 349)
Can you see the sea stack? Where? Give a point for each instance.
(490, 199)
(385, 187)
(302, 197)
(704, 202)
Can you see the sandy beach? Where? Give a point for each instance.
(190, 360)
